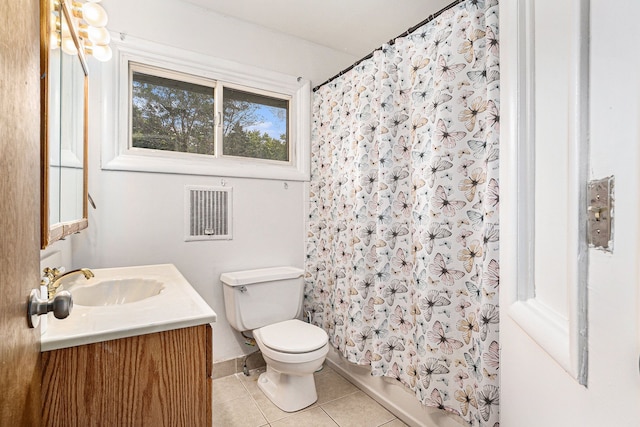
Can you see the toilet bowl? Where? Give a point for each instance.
(293, 351)
(268, 302)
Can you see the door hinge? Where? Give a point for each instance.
(600, 213)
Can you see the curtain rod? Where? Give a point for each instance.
(392, 41)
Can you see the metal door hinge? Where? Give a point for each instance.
(600, 213)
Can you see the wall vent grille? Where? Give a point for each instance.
(208, 213)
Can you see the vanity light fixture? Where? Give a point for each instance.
(90, 20)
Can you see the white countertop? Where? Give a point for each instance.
(177, 306)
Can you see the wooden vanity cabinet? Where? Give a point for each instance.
(158, 379)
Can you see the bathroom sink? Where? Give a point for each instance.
(115, 291)
(122, 302)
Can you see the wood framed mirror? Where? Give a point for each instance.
(64, 120)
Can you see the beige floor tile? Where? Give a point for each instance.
(228, 388)
(251, 382)
(357, 410)
(394, 423)
(253, 375)
(241, 412)
(315, 417)
(270, 411)
(325, 368)
(331, 386)
(238, 402)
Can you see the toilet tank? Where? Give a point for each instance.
(256, 298)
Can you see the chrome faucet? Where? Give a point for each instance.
(53, 277)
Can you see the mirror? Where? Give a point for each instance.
(64, 84)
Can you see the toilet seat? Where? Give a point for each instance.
(292, 337)
(291, 358)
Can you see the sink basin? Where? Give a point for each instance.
(115, 291)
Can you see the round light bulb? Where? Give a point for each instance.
(94, 14)
(98, 35)
(69, 46)
(101, 53)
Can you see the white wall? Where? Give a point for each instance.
(139, 216)
(184, 25)
(535, 390)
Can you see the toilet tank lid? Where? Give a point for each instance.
(246, 277)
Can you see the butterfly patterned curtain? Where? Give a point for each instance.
(402, 253)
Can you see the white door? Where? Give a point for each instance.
(569, 328)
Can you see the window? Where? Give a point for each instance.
(188, 113)
(171, 115)
(177, 113)
(255, 126)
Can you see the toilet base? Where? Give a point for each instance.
(288, 392)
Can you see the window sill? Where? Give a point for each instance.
(209, 166)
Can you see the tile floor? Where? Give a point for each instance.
(237, 402)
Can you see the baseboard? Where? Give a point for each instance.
(224, 368)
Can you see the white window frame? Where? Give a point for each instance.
(117, 153)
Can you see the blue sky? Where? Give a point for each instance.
(269, 122)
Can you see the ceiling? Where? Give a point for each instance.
(355, 27)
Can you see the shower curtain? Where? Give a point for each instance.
(402, 251)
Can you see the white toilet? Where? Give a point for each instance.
(268, 302)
